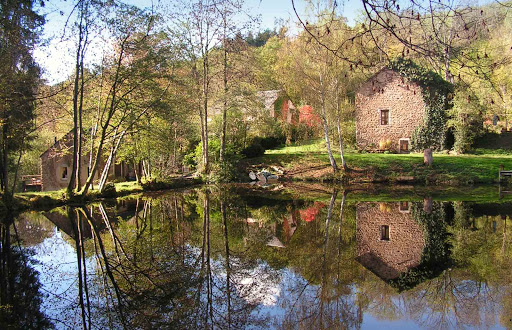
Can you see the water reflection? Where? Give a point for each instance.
(223, 258)
(20, 295)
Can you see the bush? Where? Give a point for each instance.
(109, 191)
(43, 201)
(154, 185)
(271, 142)
(255, 149)
(119, 179)
(385, 144)
(190, 159)
(466, 119)
(3, 208)
(223, 173)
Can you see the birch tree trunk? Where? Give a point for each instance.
(108, 164)
(338, 122)
(325, 124)
(76, 94)
(225, 105)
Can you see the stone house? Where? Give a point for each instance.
(279, 105)
(56, 164)
(388, 107)
(389, 240)
(57, 160)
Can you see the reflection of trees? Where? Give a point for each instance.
(332, 302)
(436, 253)
(20, 298)
(195, 260)
(231, 286)
(470, 293)
(453, 301)
(168, 267)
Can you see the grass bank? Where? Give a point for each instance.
(309, 162)
(50, 199)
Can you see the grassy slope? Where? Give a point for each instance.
(44, 199)
(310, 162)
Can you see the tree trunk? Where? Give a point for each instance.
(104, 126)
(225, 105)
(76, 93)
(5, 172)
(78, 185)
(205, 110)
(174, 164)
(427, 157)
(326, 127)
(340, 136)
(505, 104)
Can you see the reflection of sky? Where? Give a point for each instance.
(56, 262)
(282, 295)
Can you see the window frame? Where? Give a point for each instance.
(408, 145)
(63, 169)
(384, 233)
(388, 117)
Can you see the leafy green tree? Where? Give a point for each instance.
(19, 77)
(465, 119)
(133, 83)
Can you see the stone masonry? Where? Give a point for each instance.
(405, 244)
(387, 90)
(57, 161)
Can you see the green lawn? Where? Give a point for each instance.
(365, 167)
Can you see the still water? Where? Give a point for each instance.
(238, 257)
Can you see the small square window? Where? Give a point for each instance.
(384, 117)
(384, 233)
(404, 207)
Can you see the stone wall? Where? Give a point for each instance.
(387, 90)
(52, 167)
(288, 112)
(403, 250)
(59, 158)
(308, 116)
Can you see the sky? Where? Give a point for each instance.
(56, 55)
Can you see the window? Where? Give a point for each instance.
(63, 173)
(384, 233)
(404, 207)
(384, 117)
(404, 145)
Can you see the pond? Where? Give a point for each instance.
(236, 257)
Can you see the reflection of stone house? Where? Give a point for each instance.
(56, 165)
(389, 240)
(388, 107)
(70, 226)
(99, 217)
(279, 106)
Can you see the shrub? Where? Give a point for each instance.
(154, 185)
(109, 191)
(118, 179)
(272, 142)
(255, 149)
(466, 119)
(385, 144)
(223, 172)
(43, 201)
